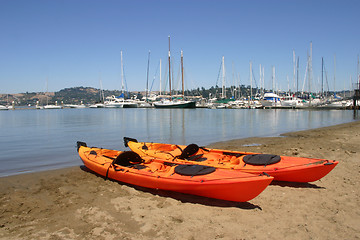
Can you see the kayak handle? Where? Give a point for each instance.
(79, 144)
(127, 139)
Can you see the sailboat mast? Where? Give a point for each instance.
(147, 79)
(334, 71)
(260, 78)
(122, 72)
(263, 82)
(297, 75)
(182, 74)
(47, 94)
(322, 76)
(250, 81)
(169, 70)
(102, 97)
(273, 79)
(310, 71)
(101, 92)
(358, 73)
(350, 85)
(223, 78)
(232, 90)
(160, 78)
(294, 62)
(288, 82)
(239, 84)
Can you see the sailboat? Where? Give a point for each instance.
(120, 101)
(271, 99)
(99, 104)
(144, 102)
(50, 106)
(178, 103)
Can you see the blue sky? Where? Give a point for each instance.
(76, 42)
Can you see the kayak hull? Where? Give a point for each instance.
(221, 184)
(290, 169)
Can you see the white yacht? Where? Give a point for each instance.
(119, 102)
(53, 106)
(2, 107)
(271, 100)
(97, 105)
(291, 102)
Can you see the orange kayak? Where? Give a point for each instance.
(282, 168)
(149, 172)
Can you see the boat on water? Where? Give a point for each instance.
(76, 106)
(130, 103)
(291, 102)
(100, 103)
(52, 106)
(282, 168)
(271, 100)
(48, 106)
(119, 102)
(166, 103)
(81, 105)
(97, 105)
(144, 104)
(337, 104)
(113, 102)
(177, 103)
(238, 104)
(129, 167)
(2, 107)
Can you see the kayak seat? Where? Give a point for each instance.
(193, 170)
(128, 158)
(261, 159)
(189, 151)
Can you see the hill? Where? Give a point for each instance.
(73, 95)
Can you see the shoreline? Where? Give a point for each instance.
(71, 203)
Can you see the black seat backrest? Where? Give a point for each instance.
(188, 151)
(127, 158)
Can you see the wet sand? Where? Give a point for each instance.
(75, 204)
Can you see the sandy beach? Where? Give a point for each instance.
(73, 203)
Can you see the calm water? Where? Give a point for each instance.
(36, 140)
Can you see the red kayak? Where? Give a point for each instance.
(282, 168)
(149, 172)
